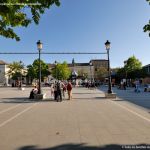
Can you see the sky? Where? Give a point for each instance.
(84, 26)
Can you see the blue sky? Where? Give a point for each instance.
(84, 26)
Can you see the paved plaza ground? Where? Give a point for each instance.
(88, 121)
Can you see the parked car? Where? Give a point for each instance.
(147, 88)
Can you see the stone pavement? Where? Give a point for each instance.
(88, 121)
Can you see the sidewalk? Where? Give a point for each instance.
(88, 121)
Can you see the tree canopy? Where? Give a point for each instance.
(132, 64)
(14, 13)
(101, 73)
(33, 70)
(146, 28)
(61, 71)
(132, 69)
(15, 69)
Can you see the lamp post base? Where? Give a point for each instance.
(109, 91)
(38, 96)
(110, 95)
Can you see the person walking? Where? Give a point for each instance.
(63, 89)
(55, 91)
(52, 90)
(59, 94)
(69, 89)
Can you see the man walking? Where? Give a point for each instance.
(69, 89)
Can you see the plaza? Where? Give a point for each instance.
(95, 49)
(88, 121)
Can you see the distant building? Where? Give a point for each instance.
(89, 69)
(97, 65)
(4, 78)
(147, 68)
(146, 80)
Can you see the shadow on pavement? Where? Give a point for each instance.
(118, 100)
(27, 100)
(85, 147)
(140, 99)
(89, 98)
(81, 93)
(24, 100)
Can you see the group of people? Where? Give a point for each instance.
(58, 90)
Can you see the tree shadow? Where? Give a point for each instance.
(16, 100)
(100, 98)
(86, 147)
(24, 100)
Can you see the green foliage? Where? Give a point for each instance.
(132, 64)
(132, 69)
(82, 73)
(101, 73)
(15, 69)
(146, 28)
(13, 14)
(121, 73)
(33, 70)
(61, 71)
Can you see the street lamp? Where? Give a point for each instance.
(125, 63)
(91, 71)
(107, 45)
(20, 74)
(39, 47)
(55, 69)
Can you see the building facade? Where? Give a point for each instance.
(4, 78)
(99, 65)
(147, 68)
(87, 70)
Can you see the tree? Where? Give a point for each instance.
(121, 73)
(82, 73)
(132, 64)
(15, 69)
(15, 13)
(146, 28)
(33, 70)
(101, 73)
(132, 69)
(61, 71)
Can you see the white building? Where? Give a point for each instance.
(4, 78)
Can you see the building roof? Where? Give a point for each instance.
(3, 63)
(81, 64)
(78, 64)
(147, 65)
(98, 60)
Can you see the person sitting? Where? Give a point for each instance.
(33, 92)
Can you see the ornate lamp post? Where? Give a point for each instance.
(91, 71)
(55, 69)
(20, 86)
(39, 47)
(125, 63)
(107, 45)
